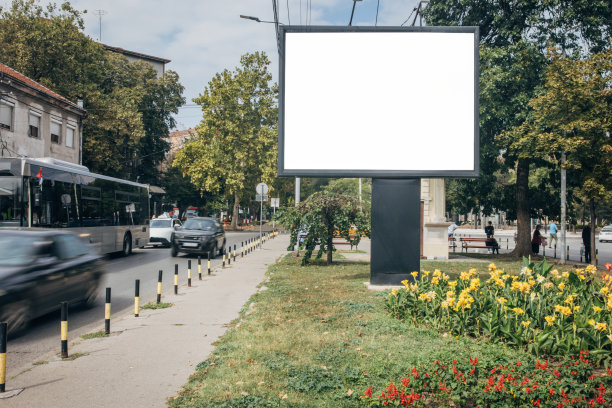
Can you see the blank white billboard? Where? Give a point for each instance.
(372, 102)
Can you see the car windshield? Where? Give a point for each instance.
(204, 225)
(16, 250)
(606, 229)
(161, 223)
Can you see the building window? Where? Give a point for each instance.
(34, 121)
(56, 131)
(6, 116)
(69, 136)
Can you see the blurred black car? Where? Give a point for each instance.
(199, 235)
(40, 269)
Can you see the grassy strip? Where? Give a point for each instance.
(318, 338)
(154, 306)
(94, 335)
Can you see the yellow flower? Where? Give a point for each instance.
(601, 326)
(502, 301)
(452, 284)
(550, 320)
(518, 311)
(605, 289)
(526, 323)
(564, 310)
(492, 267)
(523, 287)
(597, 309)
(464, 276)
(450, 293)
(414, 274)
(394, 292)
(561, 286)
(426, 273)
(540, 279)
(576, 308)
(414, 287)
(565, 275)
(609, 336)
(555, 273)
(570, 298)
(429, 296)
(526, 271)
(437, 273)
(474, 284)
(592, 269)
(445, 277)
(406, 283)
(435, 280)
(549, 285)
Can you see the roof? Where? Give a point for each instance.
(6, 70)
(135, 54)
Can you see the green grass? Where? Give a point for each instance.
(318, 338)
(94, 335)
(74, 356)
(160, 305)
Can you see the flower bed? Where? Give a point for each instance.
(540, 310)
(471, 383)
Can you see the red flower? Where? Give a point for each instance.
(473, 371)
(552, 391)
(536, 403)
(405, 382)
(608, 267)
(368, 392)
(443, 387)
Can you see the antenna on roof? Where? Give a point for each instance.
(100, 13)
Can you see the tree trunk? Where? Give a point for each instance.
(523, 228)
(593, 226)
(235, 213)
(330, 241)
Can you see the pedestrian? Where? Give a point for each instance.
(552, 231)
(536, 240)
(451, 229)
(492, 243)
(489, 230)
(586, 240)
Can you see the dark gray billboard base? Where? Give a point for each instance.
(396, 239)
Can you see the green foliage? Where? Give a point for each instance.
(325, 215)
(129, 108)
(236, 144)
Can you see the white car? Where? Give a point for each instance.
(161, 229)
(605, 235)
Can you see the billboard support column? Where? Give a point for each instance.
(396, 236)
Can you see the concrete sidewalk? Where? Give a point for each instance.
(146, 360)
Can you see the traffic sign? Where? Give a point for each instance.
(262, 188)
(274, 202)
(260, 197)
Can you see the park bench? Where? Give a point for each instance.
(345, 242)
(474, 243)
(452, 243)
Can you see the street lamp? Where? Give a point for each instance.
(258, 20)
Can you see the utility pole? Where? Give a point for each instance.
(563, 208)
(100, 13)
(297, 190)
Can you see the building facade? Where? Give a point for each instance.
(37, 122)
(158, 64)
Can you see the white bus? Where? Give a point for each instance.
(110, 213)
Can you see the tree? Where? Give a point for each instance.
(514, 35)
(573, 115)
(324, 215)
(129, 108)
(236, 143)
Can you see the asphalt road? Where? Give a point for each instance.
(43, 335)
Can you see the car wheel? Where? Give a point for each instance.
(222, 250)
(17, 315)
(127, 245)
(174, 251)
(92, 293)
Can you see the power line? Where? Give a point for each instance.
(377, 6)
(405, 21)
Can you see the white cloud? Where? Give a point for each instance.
(203, 37)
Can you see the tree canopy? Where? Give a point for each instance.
(236, 143)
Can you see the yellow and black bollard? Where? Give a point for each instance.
(176, 279)
(567, 256)
(581, 252)
(234, 252)
(209, 262)
(107, 311)
(596, 256)
(223, 251)
(242, 249)
(555, 252)
(189, 273)
(199, 268)
(159, 286)
(64, 330)
(137, 298)
(3, 335)
(229, 255)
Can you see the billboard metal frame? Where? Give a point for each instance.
(284, 29)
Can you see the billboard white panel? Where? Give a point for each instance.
(378, 102)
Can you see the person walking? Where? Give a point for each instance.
(586, 240)
(489, 230)
(451, 229)
(552, 231)
(536, 240)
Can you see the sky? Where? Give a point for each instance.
(203, 37)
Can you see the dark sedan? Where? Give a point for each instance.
(199, 235)
(41, 269)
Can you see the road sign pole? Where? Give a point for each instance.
(260, 219)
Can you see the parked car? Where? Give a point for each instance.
(40, 269)
(161, 229)
(199, 235)
(605, 235)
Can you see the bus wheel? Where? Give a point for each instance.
(127, 244)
